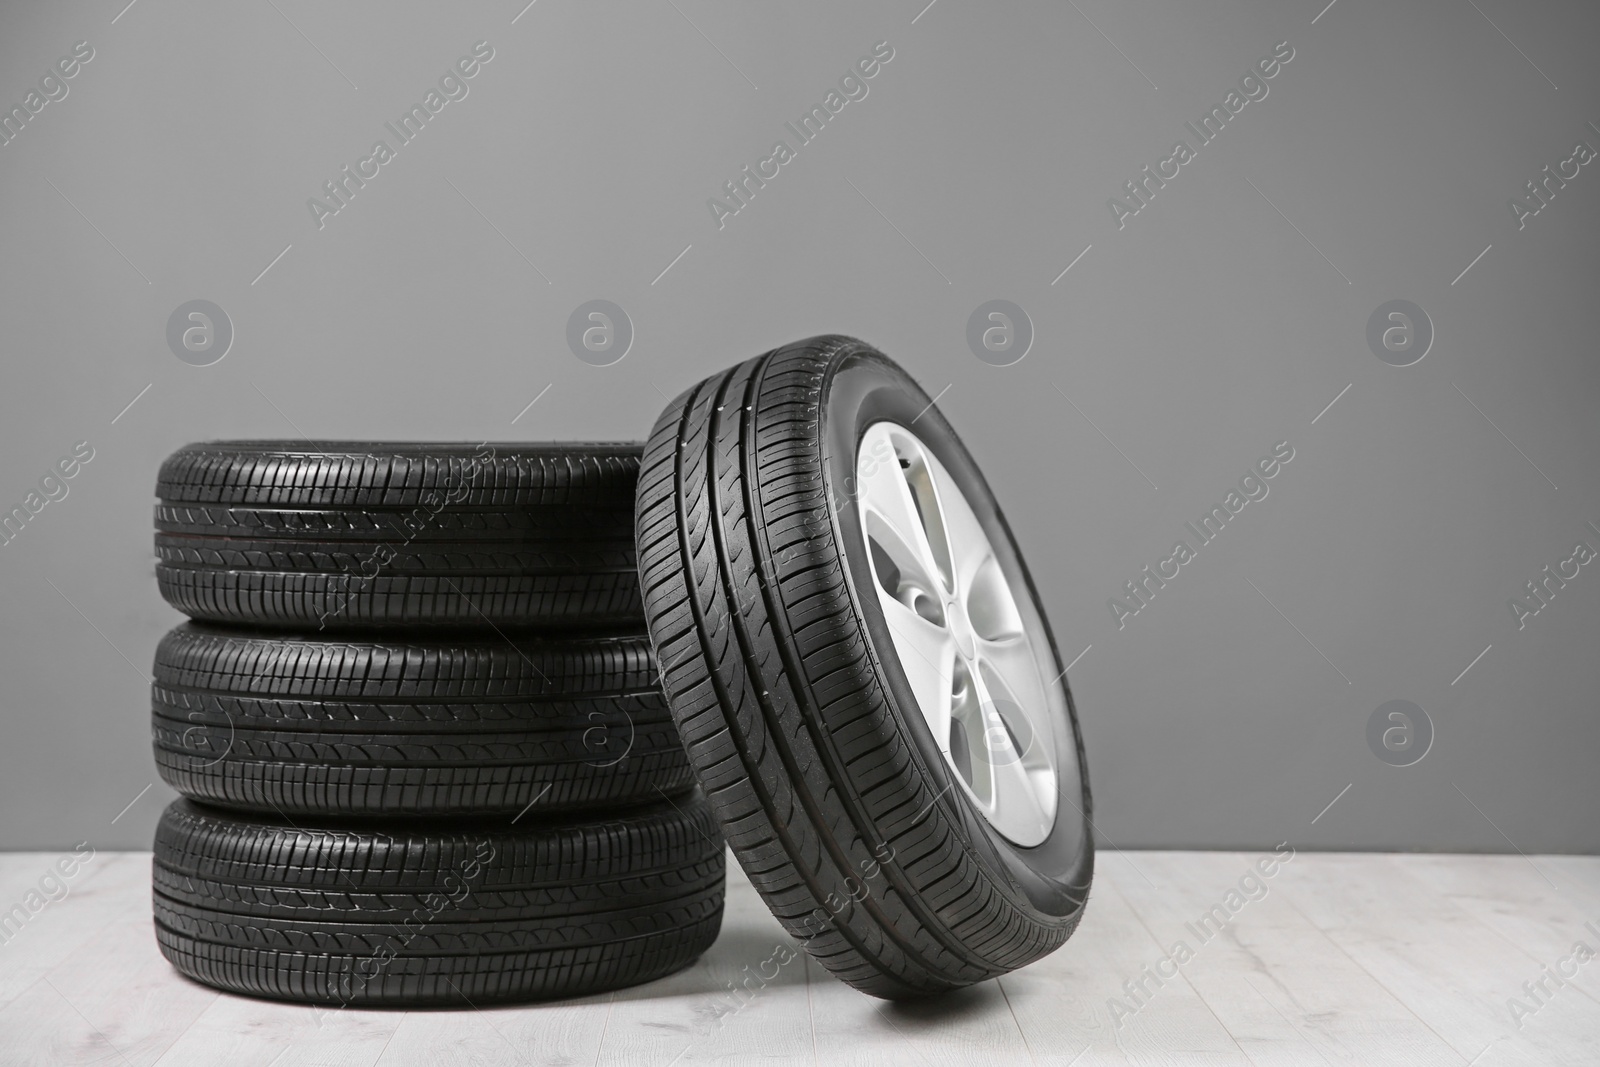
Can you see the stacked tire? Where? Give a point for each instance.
(418, 728)
(428, 757)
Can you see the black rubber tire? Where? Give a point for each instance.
(796, 714)
(458, 916)
(421, 726)
(340, 534)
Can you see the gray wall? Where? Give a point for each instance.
(1215, 323)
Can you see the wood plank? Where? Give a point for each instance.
(116, 991)
(744, 1001)
(1281, 989)
(1582, 870)
(553, 1032)
(1450, 969)
(99, 893)
(20, 871)
(1064, 1003)
(1546, 919)
(1348, 958)
(965, 1027)
(244, 1032)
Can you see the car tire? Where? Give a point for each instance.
(452, 915)
(413, 725)
(347, 535)
(799, 715)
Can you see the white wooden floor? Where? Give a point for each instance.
(1359, 959)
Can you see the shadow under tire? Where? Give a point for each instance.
(349, 535)
(852, 821)
(456, 915)
(419, 725)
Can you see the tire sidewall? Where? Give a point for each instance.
(864, 387)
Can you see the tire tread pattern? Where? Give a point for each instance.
(346, 535)
(424, 726)
(458, 915)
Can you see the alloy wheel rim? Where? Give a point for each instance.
(954, 622)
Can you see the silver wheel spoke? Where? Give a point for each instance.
(908, 556)
(1024, 750)
(969, 545)
(989, 605)
(1014, 804)
(1012, 659)
(927, 655)
(1017, 810)
(967, 751)
(884, 492)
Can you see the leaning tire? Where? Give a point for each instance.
(868, 836)
(418, 725)
(350, 535)
(462, 917)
